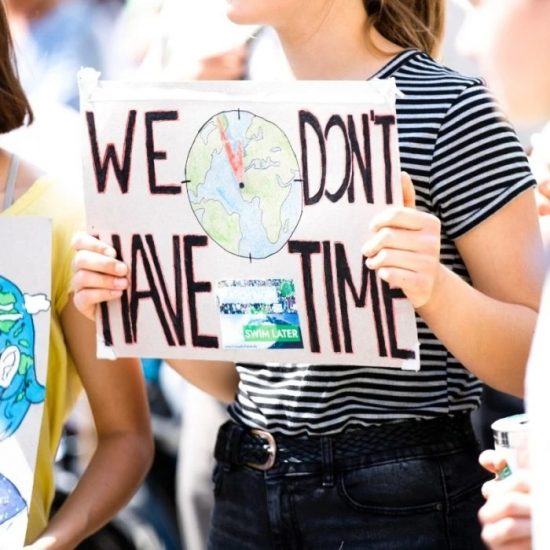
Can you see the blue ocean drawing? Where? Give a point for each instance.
(19, 388)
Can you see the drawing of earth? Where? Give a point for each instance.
(11, 502)
(243, 183)
(19, 387)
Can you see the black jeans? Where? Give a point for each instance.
(424, 497)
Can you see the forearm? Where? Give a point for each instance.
(115, 471)
(217, 378)
(491, 338)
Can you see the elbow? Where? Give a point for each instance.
(147, 449)
(137, 447)
(145, 446)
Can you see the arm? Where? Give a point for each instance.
(488, 327)
(219, 379)
(100, 277)
(117, 397)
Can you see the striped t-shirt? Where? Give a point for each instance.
(466, 163)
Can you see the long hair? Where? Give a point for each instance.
(14, 105)
(409, 23)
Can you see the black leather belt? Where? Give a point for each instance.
(260, 449)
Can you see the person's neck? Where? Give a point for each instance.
(336, 45)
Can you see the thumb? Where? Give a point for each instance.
(408, 190)
(492, 461)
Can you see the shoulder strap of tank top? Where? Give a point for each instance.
(9, 190)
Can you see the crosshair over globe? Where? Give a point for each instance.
(243, 183)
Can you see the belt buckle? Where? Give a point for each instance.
(271, 448)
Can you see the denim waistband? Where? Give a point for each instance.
(240, 445)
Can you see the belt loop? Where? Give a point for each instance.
(328, 461)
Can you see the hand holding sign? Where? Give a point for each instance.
(404, 249)
(98, 276)
(240, 267)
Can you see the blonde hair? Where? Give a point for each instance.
(416, 24)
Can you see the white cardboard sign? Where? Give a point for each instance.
(241, 209)
(25, 283)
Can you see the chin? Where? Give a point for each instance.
(244, 12)
(235, 13)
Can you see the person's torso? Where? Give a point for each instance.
(46, 198)
(455, 149)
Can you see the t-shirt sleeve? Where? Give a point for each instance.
(478, 164)
(68, 218)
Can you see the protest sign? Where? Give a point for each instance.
(25, 282)
(241, 209)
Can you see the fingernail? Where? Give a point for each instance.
(121, 268)
(121, 282)
(116, 293)
(111, 252)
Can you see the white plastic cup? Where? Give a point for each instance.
(510, 437)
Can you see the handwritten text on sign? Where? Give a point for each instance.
(241, 212)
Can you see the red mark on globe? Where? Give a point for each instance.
(235, 158)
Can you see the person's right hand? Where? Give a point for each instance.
(98, 275)
(506, 516)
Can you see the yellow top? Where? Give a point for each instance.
(65, 209)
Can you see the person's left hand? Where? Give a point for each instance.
(404, 248)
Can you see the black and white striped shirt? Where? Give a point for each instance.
(466, 163)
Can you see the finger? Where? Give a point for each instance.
(544, 208)
(523, 544)
(398, 217)
(488, 487)
(397, 277)
(508, 532)
(401, 239)
(86, 260)
(519, 482)
(83, 280)
(492, 461)
(87, 300)
(402, 259)
(85, 241)
(409, 195)
(502, 505)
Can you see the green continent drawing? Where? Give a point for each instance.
(243, 183)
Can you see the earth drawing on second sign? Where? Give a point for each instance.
(243, 183)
